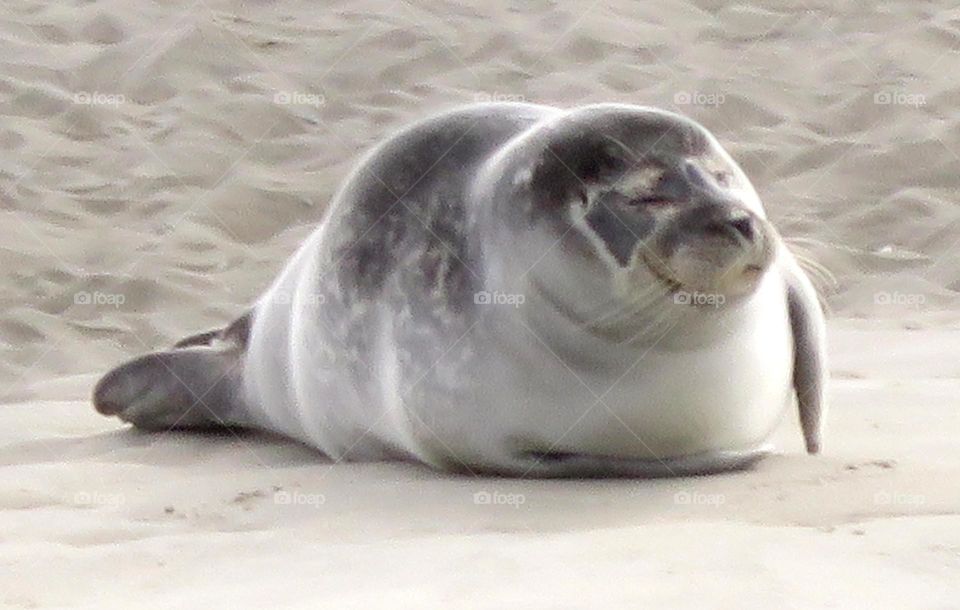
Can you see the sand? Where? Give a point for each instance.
(162, 160)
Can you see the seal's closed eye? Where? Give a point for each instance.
(650, 200)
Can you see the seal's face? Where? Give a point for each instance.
(659, 201)
(684, 224)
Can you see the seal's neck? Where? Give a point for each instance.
(610, 337)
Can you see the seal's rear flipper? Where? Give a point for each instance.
(194, 385)
(183, 388)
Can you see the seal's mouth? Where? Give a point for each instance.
(752, 273)
(659, 271)
(749, 275)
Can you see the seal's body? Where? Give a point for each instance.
(523, 290)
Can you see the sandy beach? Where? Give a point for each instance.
(163, 160)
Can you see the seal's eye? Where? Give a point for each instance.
(722, 178)
(649, 200)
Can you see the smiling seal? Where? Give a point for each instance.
(522, 290)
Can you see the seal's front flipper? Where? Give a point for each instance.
(809, 354)
(194, 385)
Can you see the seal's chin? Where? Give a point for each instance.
(744, 280)
(752, 273)
(739, 280)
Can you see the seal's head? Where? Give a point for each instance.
(648, 198)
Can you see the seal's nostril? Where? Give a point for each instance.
(743, 226)
(740, 227)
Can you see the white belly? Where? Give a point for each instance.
(729, 395)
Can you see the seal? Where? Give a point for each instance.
(520, 290)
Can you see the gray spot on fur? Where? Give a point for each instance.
(620, 224)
